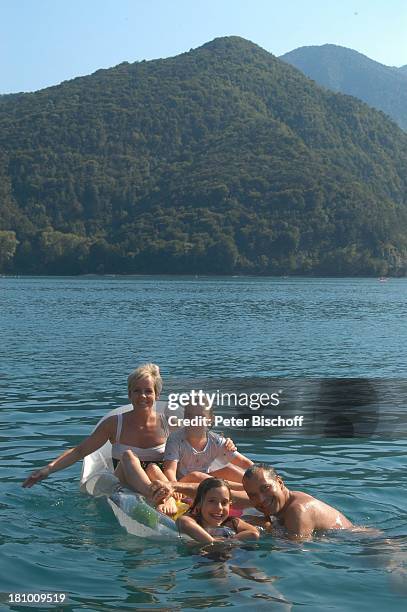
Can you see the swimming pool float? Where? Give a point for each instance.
(131, 509)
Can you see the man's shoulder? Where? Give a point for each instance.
(297, 520)
(299, 509)
(299, 498)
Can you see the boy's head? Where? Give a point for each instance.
(150, 370)
(199, 408)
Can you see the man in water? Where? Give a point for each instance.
(298, 513)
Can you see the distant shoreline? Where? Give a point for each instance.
(198, 276)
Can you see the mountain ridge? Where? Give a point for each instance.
(223, 159)
(349, 72)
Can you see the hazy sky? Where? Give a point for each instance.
(44, 42)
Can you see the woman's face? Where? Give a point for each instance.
(142, 394)
(215, 506)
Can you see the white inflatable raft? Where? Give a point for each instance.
(131, 509)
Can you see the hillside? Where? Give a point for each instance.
(220, 160)
(349, 72)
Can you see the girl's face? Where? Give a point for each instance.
(142, 394)
(215, 506)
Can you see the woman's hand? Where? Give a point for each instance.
(230, 445)
(37, 476)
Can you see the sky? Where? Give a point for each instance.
(44, 42)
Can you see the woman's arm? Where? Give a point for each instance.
(244, 531)
(189, 526)
(71, 456)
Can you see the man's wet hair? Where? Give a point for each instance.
(267, 470)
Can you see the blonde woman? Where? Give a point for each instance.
(138, 438)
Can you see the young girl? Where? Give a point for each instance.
(208, 518)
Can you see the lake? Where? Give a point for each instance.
(67, 346)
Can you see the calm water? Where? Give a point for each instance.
(67, 346)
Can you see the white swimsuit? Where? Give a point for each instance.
(154, 453)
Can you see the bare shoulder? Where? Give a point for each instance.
(109, 426)
(318, 513)
(300, 502)
(300, 512)
(109, 422)
(299, 497)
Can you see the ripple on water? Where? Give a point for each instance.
(68, 345)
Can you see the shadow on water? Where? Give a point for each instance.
(194, 577)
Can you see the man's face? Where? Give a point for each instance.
(265, 494)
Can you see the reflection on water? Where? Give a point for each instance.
(67, 347)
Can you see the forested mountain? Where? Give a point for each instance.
(221, 160)
(349, 72)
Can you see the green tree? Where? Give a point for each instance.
(8, 246)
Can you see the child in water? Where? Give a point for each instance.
(208, 519)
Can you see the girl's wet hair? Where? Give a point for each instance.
(204, 487)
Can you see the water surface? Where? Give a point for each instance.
(67, 345)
